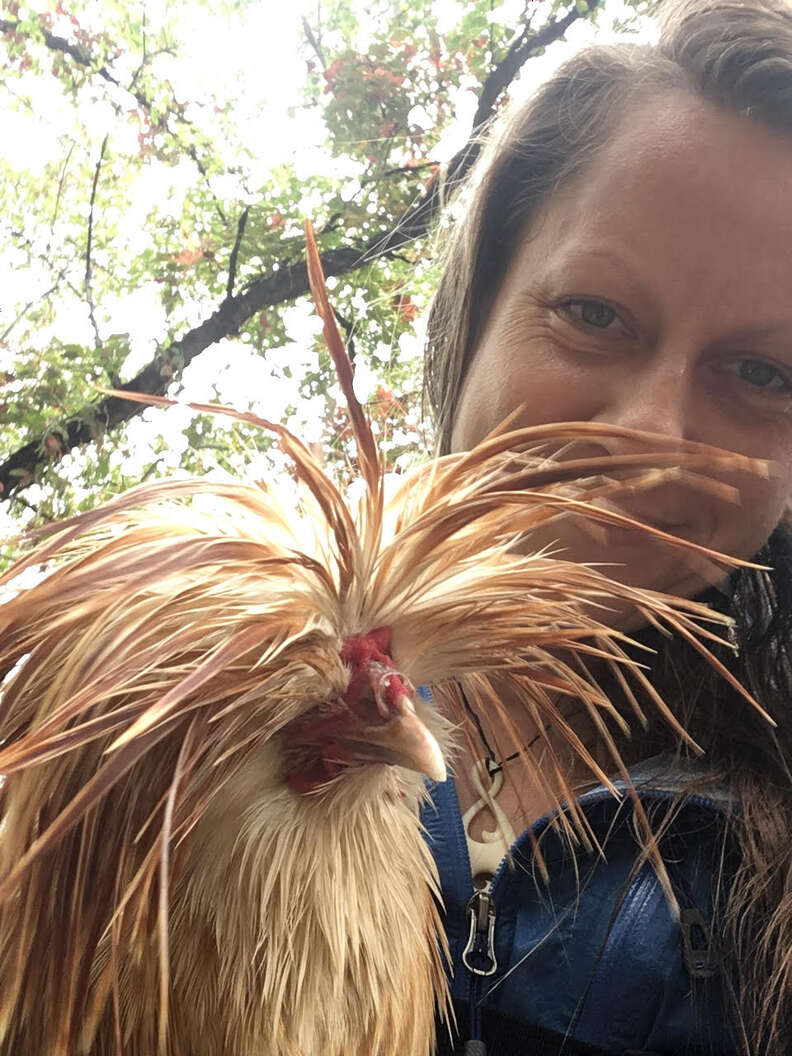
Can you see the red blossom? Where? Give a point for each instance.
(188, 256)
(406, 309)
(52, 446)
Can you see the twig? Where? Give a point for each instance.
(144, 56)
(150, 469)
(16, 497)
(88, 293)
(315, 44)
(30, 304)
(60, 188)
(232, 263)
(417, 167)
(349, 330)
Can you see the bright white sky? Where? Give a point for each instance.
(216, 56)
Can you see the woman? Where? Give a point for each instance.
(627, 258)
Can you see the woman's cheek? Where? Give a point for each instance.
(538, 376)
(762, 506)
(754, 427)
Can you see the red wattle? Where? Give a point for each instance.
(321, 770)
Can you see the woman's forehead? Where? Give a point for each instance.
(682, 156)
(684, 196)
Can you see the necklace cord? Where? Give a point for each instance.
(493, 766)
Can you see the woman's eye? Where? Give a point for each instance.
(592, 313)
(763, 375)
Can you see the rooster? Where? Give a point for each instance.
(214, 754)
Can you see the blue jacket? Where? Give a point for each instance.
(593, 961)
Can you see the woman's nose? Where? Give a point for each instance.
(655, 398)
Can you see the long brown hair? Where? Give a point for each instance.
(738, 55)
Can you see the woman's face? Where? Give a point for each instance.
(656, 292)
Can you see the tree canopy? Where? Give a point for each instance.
(151, 210)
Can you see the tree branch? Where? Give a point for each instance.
(232, 263)
(149, 470)
(526, 45)
(287, 283)
(400, 170)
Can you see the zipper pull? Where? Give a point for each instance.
(479, 954)
(699, 948)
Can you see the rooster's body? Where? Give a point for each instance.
(212, 747)
(301, 916)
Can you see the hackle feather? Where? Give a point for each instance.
(162, 886)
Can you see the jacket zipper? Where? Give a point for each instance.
(479, 959)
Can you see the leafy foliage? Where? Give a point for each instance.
(153, 197)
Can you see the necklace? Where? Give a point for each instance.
(494, 767)
(486, 850)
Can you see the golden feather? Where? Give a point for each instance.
(170, 879)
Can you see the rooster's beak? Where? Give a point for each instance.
(402, 740)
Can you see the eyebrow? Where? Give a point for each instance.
(760, 334)
(618, 260)
(768, 332)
